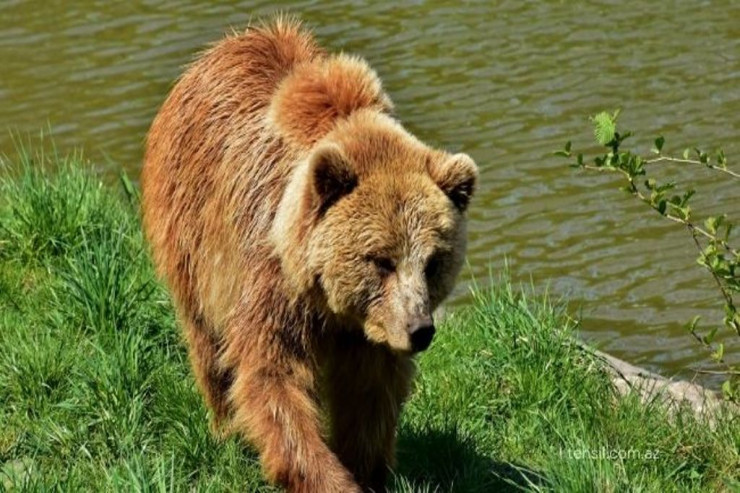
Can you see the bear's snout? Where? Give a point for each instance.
(421, 333)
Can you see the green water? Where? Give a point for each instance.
(507, 82)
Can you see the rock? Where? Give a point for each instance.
(674, 394)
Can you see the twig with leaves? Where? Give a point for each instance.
(712, 238)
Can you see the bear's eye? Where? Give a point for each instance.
(432, 267)
(384, 265)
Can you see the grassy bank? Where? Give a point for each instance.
(96, 393)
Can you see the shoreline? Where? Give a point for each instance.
(626, 378)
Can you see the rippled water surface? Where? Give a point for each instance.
(507, 82)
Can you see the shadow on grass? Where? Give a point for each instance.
(443, 460)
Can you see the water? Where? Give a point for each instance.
(507, 83)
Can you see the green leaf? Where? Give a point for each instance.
(727, 390)
(604, 128)
(659, 144)
(691, 327)
(686, 153)
(711, 224)
(719, 353)
(730, 310)
(667, 186)
(721, 159)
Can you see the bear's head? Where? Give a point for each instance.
(374, 221)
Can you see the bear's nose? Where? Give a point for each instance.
(421, 333)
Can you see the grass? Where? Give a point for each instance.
(96, 392)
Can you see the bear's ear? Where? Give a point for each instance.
(456, 177)
(332, 176)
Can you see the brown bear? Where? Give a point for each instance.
(306, 237)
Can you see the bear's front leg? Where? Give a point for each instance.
(274, 402)
(366, 386)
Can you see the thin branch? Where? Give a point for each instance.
(636, 192)
(694, 229)
(710, 350)
(727, 296)
(692, 161)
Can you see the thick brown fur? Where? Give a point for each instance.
(304, 235)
